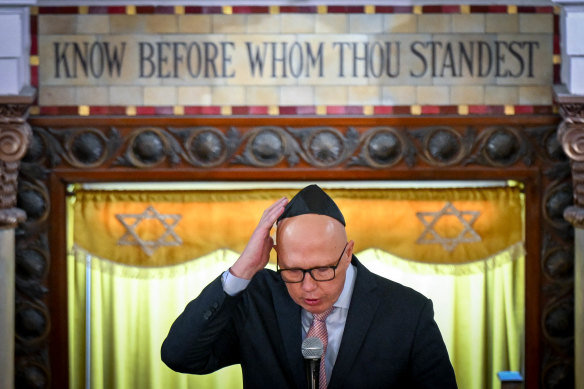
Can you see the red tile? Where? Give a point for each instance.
(496, 109)
(430, 109)
(543, 109)
(557, 73)
(210, 110)
(117, 110)
(354, 9)
(401, 110)
(68, 110)
(481, 9)
(164, 10)
(383, 110)
(164, 110)
(107, 110)
(258, 110)
(450, 9)
(354, 110)
(497, 9)
(339, 9)
(525, 9)
(193, 10)
(297, 10)
(47, 110)
(523, 109)
(240, 110)
(306, 110)
(58, 10)
(145, 110)
(432, 9)
(544, 10)
(287, 110)
(192, 110)
(383, 9)
(144, 9)
(557, 49)
(99, 110)
(335, 110)
(403, 9)
(34, 47)
(251, 10)
(211, 10)
(478, 109)
(93, 10)
(33, 24)
(448, 110)
(34, 76)
(116, 10)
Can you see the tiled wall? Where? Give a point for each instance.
(431, 79)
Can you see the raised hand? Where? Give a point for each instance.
(256, 254)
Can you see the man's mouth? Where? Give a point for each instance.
(312, 301)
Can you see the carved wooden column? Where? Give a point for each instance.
(571, 135)
(15, 135)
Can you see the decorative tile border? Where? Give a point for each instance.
(85, 110)
(302, 110)
(323, 9)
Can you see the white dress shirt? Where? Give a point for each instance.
(335, 322)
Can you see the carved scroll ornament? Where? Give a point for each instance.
(15, 134)
(571, 136)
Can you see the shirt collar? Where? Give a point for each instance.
(344, 299)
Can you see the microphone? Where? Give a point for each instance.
(312, 349)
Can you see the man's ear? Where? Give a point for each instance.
(349, 249)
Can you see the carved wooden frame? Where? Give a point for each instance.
(69, 150)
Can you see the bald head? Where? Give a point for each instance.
(311, 231)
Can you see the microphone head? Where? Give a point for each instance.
(312, 348)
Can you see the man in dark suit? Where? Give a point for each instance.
(377, 333)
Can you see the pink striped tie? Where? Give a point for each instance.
(318, 330)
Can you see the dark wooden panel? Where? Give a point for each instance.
(524, 148)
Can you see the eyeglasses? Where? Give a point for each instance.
(320, 273)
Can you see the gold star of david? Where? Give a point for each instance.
(466, 218)
(131, 238)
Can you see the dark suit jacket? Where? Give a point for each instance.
(390, 339)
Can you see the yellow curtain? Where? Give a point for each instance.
(137, 258)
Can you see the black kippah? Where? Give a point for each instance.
(312, 199)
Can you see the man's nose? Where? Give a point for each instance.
(308, 283)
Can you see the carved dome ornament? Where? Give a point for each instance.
(326, 146)
(502, 146)
(147, 148)
(32, 322)
(443, 146)
(32, 375)
(206, 147)
(33, 198)
(383, 147)
(558, 375)
(86, 148)
(559, 319)
(556, 200)
(266, 147)
(558, 263)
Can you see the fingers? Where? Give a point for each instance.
(273, 212)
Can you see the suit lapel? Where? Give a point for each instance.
(364, 304)
(288, 314)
